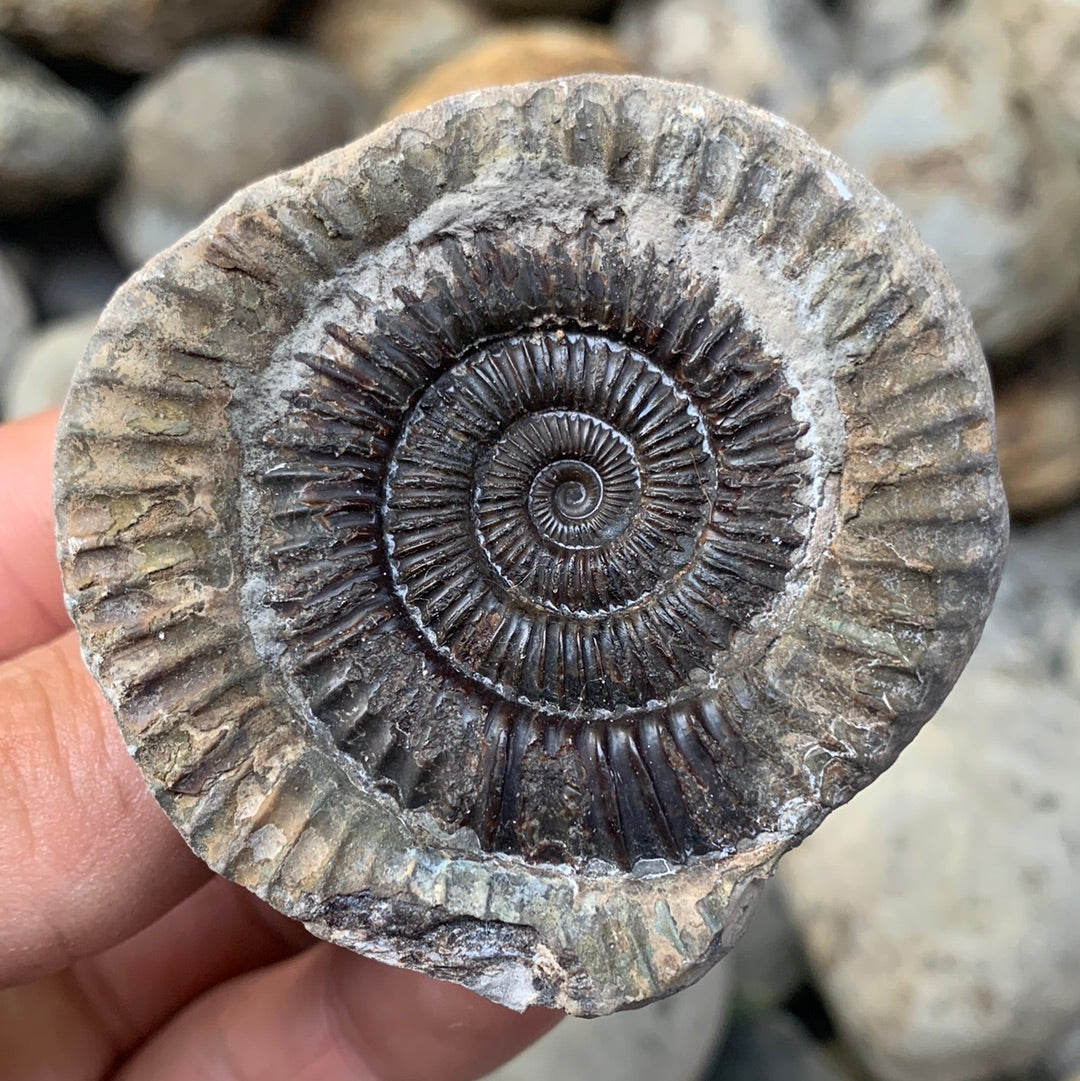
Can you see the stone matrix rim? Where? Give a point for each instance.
(502, 538)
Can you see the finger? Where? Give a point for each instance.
(328, 1015)
(86, 856)
(30, 594)
(109, 1004)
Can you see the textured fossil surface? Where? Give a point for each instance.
(501, 539)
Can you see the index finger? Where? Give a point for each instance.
(31, 597)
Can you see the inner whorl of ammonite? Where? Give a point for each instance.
(522, 510)
(548, 500)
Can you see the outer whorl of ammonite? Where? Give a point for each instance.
(503, 537)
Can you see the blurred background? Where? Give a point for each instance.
(930, 931)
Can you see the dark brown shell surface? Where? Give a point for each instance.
(502, 538)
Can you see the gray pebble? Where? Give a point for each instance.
(887, 34)
(129, 35)
(55, 144)
(16, 315)
(778, 54)
(669, 1040)
(939, 908)
(1063, 1061)
(771, 1046)
(999, 204)
(42, 371)
(219, 118)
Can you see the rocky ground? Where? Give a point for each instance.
(928, 931)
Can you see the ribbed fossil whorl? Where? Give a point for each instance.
(503, 537)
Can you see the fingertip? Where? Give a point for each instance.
(86, 855)
(457, 1035)
(30, 589)
(328, 1015)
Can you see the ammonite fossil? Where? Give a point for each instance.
(503, 537)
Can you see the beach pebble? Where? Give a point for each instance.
(386, 44)
(670, 1040)
(939, 907)
(1045, 35)
(222, 116)
(16, 315)
(998, 202)
(42, 371)
(779, 54)
(887, 34)
(1063, 1062)
(129, 35)
(522, 52)
(55, 144)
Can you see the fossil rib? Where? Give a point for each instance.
(502, 538)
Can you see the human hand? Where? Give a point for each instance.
(121, 955)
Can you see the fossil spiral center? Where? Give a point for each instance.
(569, 490)
(573, 499)
(585, 483)
(544, 490)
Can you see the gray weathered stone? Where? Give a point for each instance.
(939, 909)
(994, 197)
(131, 35)
(16, 315)
(220, 117)
(770, 1045)
(55, 143)
(1062, 1063)
(42, 370)
(1045, 38)
(778, 54)
(888, 34)
(670, 1040)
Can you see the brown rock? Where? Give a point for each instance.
(1038, 411)
(130, 35)
(517, 54)
(386, 44)
(503, 537)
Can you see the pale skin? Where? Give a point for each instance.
(121, 955)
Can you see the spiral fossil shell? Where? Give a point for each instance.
(502, 538)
